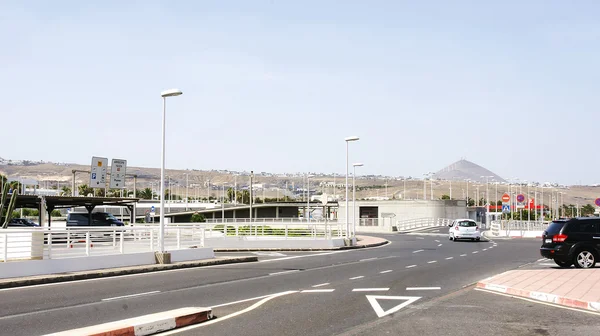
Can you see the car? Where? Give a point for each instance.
(98, 219)
(22, 222)
(574, 241)
(464, 229)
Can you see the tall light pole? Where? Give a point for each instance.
(235, 189)
(354, 196)
(187, 183)
(487, 199)
(164, 95)
(348, 140)
(223, 205)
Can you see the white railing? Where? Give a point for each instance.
(53, 243)
(522, 225)
(269, 220)
(415, 223)
(283, 230)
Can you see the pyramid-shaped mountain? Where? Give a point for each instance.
(466, 170)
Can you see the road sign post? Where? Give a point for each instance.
(98, 172)
(117, 173)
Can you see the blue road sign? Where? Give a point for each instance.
(152, 209)
(598, 202)
(505, 208)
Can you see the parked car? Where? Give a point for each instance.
(464, 229)
(98, 219)
(572, 241)
(22, 222)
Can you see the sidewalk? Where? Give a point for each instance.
(578, 288)
(109, 272)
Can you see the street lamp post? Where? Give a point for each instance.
(187, 182)
(354, 196)
(308, 176)
(348, 140)
(164, 95)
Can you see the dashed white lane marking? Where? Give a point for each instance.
(440, 245)
(449, 258)
(321, 285)
(484, 249)
(431, 262)
(368, 259)
(357, 277)
(420, 238)
(437, 241)
(317, 291)
(463, 255)
(130, 296)
(370, 289)
(422, 288)
(284, 272)
(411, 266)
(417, 251)
(475, 252)
(388, 271)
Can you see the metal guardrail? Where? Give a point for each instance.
(522, 225)
(415, 223)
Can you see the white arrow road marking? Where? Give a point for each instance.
(380, 312)
(317, 291)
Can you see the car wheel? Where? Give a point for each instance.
(563, 263)
(450, 237)
(478, 239)
(584, 259)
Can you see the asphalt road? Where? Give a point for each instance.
(320, 293)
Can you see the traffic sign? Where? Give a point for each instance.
(505, 208)
(98, 172)
(152, 211)
(520, 198)
(117, 173)
(505, 198)
(598, 202)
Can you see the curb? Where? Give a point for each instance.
(300, 249)
(543, 297)
(54, 278)
(145, 325)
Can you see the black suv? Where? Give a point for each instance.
(574, 241)
(98, 219)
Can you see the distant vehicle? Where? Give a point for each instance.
(22, 222)
(572, 241)
(98, 219)
(464, 229)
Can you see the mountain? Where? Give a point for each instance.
(466, 170)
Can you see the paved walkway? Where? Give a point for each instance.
(368, 241)
(579, 288)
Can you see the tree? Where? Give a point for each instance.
(230, 195)
(65, 191)
(587, 210)
(470, 202)
(445, 197)
(145, 193)
(85, 190)
(197, 218)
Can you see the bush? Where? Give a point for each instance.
(198, 218)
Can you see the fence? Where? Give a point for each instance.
(518, 228)
(416, 223)
(277, 229)
(55, 243)
(268, 220)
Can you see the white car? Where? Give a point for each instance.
(464, 229)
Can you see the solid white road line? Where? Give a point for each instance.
(463, 255)
(129, 296)
(368, 259)
(449, 258)
(222, 318)
(303, 256)
(388, 271)
(411, 266)
(422, 288)
(431, 262)
(284, 272)
(251, 299)
(357, 277)
(370, 289)
(317, 291)
(321, 285)
(417, 251)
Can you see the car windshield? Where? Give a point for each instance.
(467, 224)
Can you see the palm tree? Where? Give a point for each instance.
(145, 193)
(65, 191)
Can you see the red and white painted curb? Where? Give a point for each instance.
(544, 297)
(145, 325)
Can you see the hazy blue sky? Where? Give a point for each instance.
(276, 85)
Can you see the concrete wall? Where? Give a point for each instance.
(192, 254)
(271, 242)
(408, 209)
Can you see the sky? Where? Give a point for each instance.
(276, 86)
